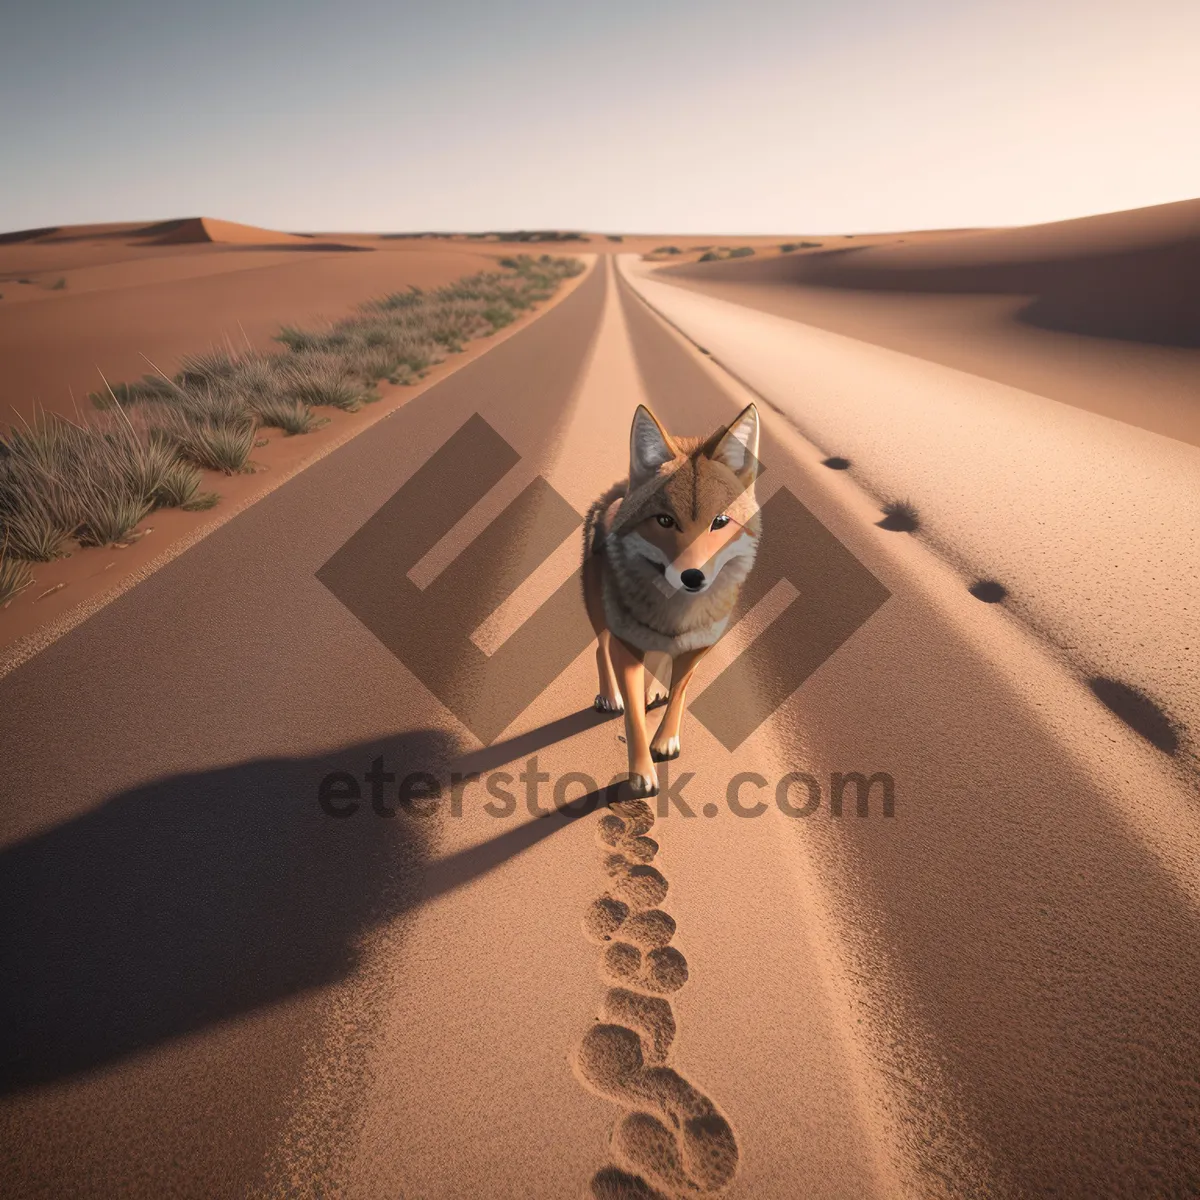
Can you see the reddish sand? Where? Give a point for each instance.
(124, 303)
(137, 291)
(132, 294)
(218, 990)
(78, 302)
(1101, 312)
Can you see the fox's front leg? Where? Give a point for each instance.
(631, 678)
(608, 696)
(666, 740)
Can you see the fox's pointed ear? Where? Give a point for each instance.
(737, 447)
(649, 447)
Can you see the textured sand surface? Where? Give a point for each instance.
(217, 989)
(1102, 312)
(1090, 524)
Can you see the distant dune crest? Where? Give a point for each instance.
(209, 229)
(180, 231)
(1129, 276)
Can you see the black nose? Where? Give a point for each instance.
(693, 580)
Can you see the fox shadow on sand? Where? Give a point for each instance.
(192, 899)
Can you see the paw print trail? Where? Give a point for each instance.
(671, 1141)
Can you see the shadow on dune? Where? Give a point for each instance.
(27, 235)
(340, 247)
(162, 228)
(192, 899)
(498, 753)
(1150, 294)
(1138, 711)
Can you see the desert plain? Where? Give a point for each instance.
(309, 890)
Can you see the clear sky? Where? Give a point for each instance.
(677, 115)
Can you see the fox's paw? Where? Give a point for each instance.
(609, 704)
(655, 698)
(665, 750)
(643, 785)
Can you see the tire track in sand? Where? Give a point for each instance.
(671, 1141)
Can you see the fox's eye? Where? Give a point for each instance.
(665, 521)
(720, 522)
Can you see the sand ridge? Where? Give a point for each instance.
(209, 229)
(1102, 312)
(1085, 521)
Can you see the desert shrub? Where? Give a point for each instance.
(900, 516)
(279, 412)
(256, 377)
(207, 370)
(205, 405)
(95, 481)
(32, 529)
(140, 461)
(377, 335)
(110, 516)
(14, 577)
(201, 502)
(541, 235)
(451, 325)
(217, 445)
(499, 315)
(741, 252)
(373, 363)
(396, 300)
(709, 256)
(149, 387)
(324, 378)
(92, 482)
(297, 340)
(178, 486)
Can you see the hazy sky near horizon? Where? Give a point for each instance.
(673, 116)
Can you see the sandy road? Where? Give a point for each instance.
(213, 988)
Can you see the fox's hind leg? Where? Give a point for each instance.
(608, 694)
(666, 741)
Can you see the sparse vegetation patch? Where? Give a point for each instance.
(900, 516)
(14, 578)
(719, 252)
(90, 482)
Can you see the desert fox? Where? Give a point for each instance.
(665, 554)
